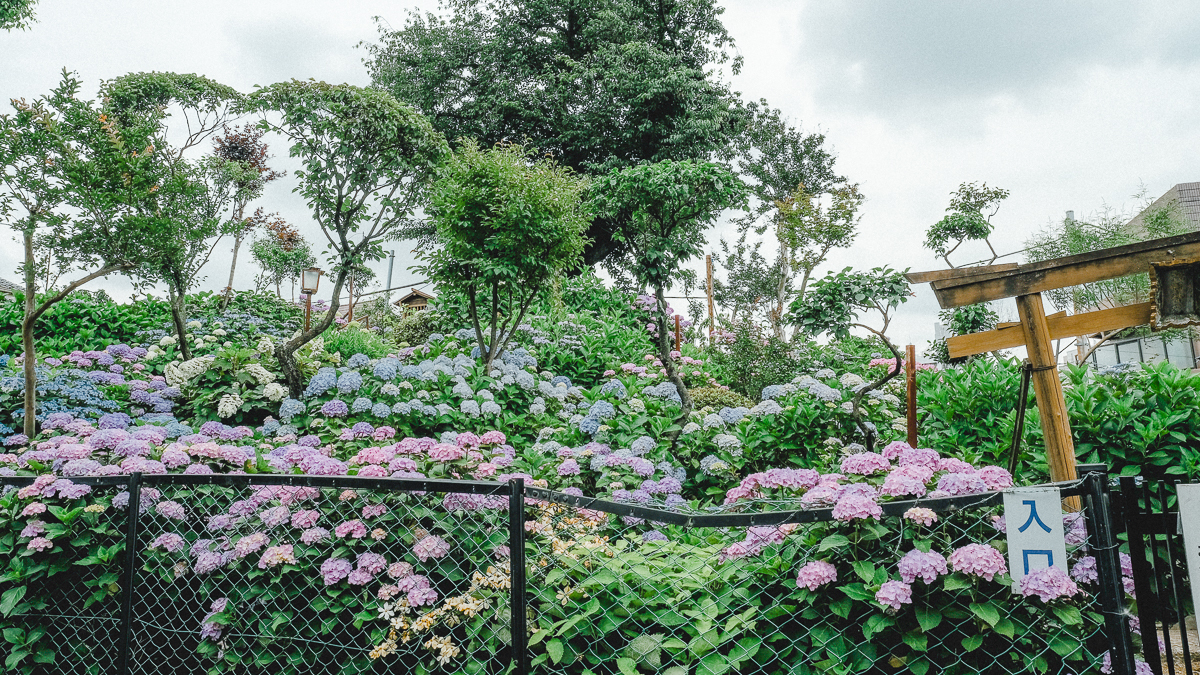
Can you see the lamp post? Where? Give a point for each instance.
(309, 280)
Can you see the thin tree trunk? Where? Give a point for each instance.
(237, 242)
(868, 434)
(27, 339)
(286, 353)
(664, 353)
(176, 299)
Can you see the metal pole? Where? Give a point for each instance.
(130, 572)
(1104, 544)
(516, 566)
(391, 261)
(1142, 573)
(910, 376)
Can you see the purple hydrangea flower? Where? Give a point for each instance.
(1048, 583)
(334, 570)
(816, 574)
(978, 560)
(920, 565)
(894, 594)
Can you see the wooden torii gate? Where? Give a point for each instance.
(1174, 267)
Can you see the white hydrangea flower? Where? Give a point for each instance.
(848, 406)
(390, 389)
(725, 441)
(193, 324)
(545, 433)
(850, 380)
(637, 405)
(228, 405)
(767, 407)
(275, 392)
(691, 427)
(220, 332)
(406, 385)
(490, 408)
(167, 340)
(260, 374)
(537, 408)
(265, 346)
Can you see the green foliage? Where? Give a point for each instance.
(754, 360)
(228, 375)
(961, 321)
(278, 262)
(16, 14)
(834, 303)
(966, 220)
(717, 398)
(82, 321)
(415, 327)
(639, 81)
(507, 223)
(353, 340)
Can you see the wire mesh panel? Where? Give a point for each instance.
(625, 594)
(278, 575)
(60, 584)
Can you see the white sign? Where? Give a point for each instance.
(1034, 524)
(1189, 520)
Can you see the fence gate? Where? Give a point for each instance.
(1161, 585)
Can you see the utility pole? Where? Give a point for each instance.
(391, 261)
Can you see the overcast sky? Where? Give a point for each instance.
(1067, 105)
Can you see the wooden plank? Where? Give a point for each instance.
(1063, 272)
(957, 273)
(1011, 324)
(1060, 326)
(1052, 406)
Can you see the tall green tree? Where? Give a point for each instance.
(199, 194)
(281, 252)
(666, 208)
(88, 189)
(835, 305)
(367, 159)
(599, 84)
(508, 222)
(16, 14)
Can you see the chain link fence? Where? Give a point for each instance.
(303, 574)
(623, 589)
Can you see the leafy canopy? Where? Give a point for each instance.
(599, 84)
(666, 208)
(970, 218)
(507, 223)
(834, 304)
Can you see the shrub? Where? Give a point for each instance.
(354, 340)
(415, 327)
(83, 321)
(717, 398)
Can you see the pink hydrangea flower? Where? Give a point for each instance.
(334, 570)
(893, 449)
(303, 520)
(901, 483)
(953, 465)
(919, 457)
(856, 507)
(978, 560)
(894, 594)
(996, 478)
(816, 574)
(249, 544)
(277, 555)
(400, 570)
(1048, 583)
(372, 471)
(351, 528)
(39, 544)
(921, 516)
(445, 452)
(33, 509)
(373, 510)
(493, 438)
(920, 565)
(373, 563)
(169, 542)
(865, 464)
(430, 547)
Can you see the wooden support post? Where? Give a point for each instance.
(350, 302)
(1052, 406)
(677, 333)
(712, 326)
(910, 375)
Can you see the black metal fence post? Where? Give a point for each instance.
(1108, 563)
(516, 565)
(130, 577)
(1142, 574)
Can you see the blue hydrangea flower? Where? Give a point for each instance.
(358, 360)
(323, 381)
(350, 382)
(335, 408)
(386, 369)
(401, 408)
(614, 388)
(602, 410)
(642, 445)
(176, 429)
(381, 410)
(733, 415)
(410, 372)
(526, 380)
(436, 337)
(289, 408)
(361, 404)
(269, 427)
(561, 379)
(469, 408)
(589, 425)
(773, 391)
(464, 334)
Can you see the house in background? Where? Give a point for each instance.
(1184, 200)
(414, 301)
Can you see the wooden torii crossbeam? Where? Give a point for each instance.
(1037, 332)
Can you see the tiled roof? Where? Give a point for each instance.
(7, 286)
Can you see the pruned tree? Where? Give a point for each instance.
(750, 280)
(508, 222)
(245, 156)
(199, 195)
(666, 207)
(834, 304)
(82, 190)
(969, 218)
(367, 159)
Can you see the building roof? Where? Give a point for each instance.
(1183, 198)
(7, 286)
(415, 294)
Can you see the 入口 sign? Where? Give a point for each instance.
(1034, 525)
